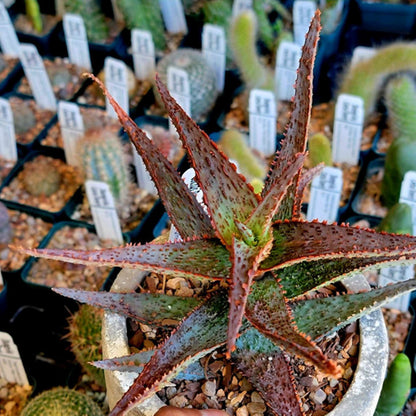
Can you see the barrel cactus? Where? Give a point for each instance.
(264, 255)
(320, 150)
(202, 81)
(24, 117)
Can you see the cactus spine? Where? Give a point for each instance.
(63, 402)
(400, 100)
(320, 150)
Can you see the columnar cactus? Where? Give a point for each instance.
(33, 13)
(265, 256)
(399, 220)
(63, 402)
(320, 150)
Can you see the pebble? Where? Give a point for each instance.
(242, 411)
(318, 396)
(255, 408)
(209, 388)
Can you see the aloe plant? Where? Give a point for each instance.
(257, 245)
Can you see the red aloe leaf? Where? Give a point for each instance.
(201, 332)
(194, 258)
(268, 312)
(133, 362)
(296, 134)
(299, 241)
(262, 216)
(318, 317)
(304, 277)
(268, 370)
(227, 195)
(181, 205)
(144, 307)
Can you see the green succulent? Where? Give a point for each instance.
(34, 15)
(265, 256)
(320, 150)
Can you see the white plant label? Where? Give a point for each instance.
(103, 211)
(77, 41)
(348, 129)
(287, 61)
(325, 195)
(8, 146)
(408, 194)
(37, 76)
(9, 42)
(362, 53)
(303, 11)
(241, 5)
(262, 121)
(189, 178)
(180, 89)
(143, 49)
(173, 16)
(144, 180)
(397, 274)
(11, 365)
(115, 73)
(72, 128)
(214, 50)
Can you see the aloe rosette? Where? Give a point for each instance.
(266, 256)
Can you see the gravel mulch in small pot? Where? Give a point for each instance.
(13, 398)
(64, 76)
(5, 168)
(7, 64)
(59, 180)
(23, 24)
(55, 273)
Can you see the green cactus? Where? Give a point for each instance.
(320, 150)
(202, 81)
(63, 402)
(400, 100)
(24, 117)
(85, 337)
(101, 157)
(40, 177)
(243, 44)
(399, 220)
(6, 231)
(396, 387)
(33, 13)
(234, 144)
(145, 15)
(95, 21)
(367, 78)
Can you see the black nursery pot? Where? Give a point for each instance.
(7, 84)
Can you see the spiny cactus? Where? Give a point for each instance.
(95, 21)
(63, 402)
(320, 150)
(400, 99)
(202, 82)
(5, 226)
(396, 387)
(101, 157)
(84, 334)
(264, 255)
(40, 177)
(33, 13)
(367, 78)
(145, 15)
(399, 220)
(24, 117)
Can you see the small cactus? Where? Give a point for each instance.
(5, 226)
(320, 150)
(85, 338)
(101, 157)
(202, 79)
(24, 117)
(40, 177)
(398, 220)
(396, 387)
(61, 401)
(33, 13)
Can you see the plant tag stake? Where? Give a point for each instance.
(8, 39)
(408, 194)
(115, 73)
(262, 121)
(214, 48)
(37, 76)
(325, 195)
(8, 146)
(72, 128)
(179, 88)
(11, 365)
(362, 53)
(241, 5)
(288, 55)
(76, 41)
(173, 16)
(143, 49)
(348, 129)
(303, 11)
(144, 179)
(103, 211)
